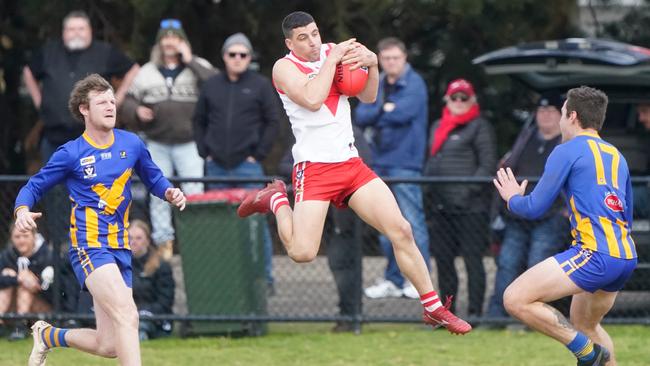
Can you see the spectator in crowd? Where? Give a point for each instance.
(526, 243)
(643, 109)
(397, 123)
(462, 144)
(642, 192)
(343, 246)
(59, 65)
(49, 78)
(160, 102)
(236, 121)
(26, 274)
(153, 283)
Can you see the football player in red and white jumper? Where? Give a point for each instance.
(327, 167)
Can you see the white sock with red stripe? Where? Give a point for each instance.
(430, 301)
(278, 200)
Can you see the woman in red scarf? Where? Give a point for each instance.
(462, 144)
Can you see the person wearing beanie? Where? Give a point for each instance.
(463, 143)
(160, 103)
(526, 243)
(236, 121)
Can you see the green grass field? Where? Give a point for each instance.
(381, 344)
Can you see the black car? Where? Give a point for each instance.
(619, 69)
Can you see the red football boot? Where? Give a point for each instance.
(260, 201)
(442, 317)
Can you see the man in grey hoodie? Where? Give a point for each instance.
(160, 103)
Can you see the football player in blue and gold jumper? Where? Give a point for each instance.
(97, 168)
(595, 180)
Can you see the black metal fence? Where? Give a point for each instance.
(233, 275)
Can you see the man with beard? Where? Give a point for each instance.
(50, 77)
(160, 103)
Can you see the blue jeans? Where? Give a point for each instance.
(525, 243)
(245, 169)
(409, 199)
(183, 159)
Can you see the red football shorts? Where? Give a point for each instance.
(334, 182)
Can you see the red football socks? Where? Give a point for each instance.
(430, 301)
(278, 200)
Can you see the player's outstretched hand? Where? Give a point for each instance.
(359, 56)
(176, 197)
(507, 185)
(26, 220)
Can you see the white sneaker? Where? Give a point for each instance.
(410, 291)
(40, 350)
(383, 289)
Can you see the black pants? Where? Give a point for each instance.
(344, 259)
(465, 234)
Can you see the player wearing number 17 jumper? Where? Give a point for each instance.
(595, 180)
(327, 166)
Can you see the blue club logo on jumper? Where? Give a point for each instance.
(89, 172)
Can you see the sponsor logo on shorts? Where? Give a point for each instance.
(613, 202)
(299, 174)
(87, 160)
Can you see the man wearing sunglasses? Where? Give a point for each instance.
(236, 121)
(160, 103)
(463, 144)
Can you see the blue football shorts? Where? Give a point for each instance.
(85, 260)
(593, 271)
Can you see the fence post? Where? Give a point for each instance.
(358, 240)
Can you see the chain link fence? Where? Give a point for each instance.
(233, 275)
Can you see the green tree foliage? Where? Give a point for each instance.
(633, 28)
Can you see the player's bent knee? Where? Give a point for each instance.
(401, 232)
(106, 348)
(512, 302)
(302, 256)
(107, 351)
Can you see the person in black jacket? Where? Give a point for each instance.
(463, 144)
(237, 115)
(525, 242)
(26, 273)
(235, 122)
(49, 78)
(153, 283)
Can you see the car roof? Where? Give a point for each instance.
(559, 64)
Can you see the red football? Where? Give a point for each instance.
(348, 82)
